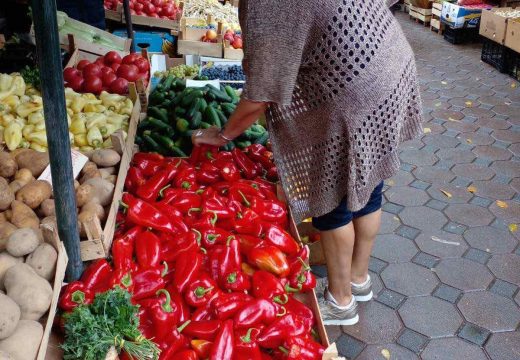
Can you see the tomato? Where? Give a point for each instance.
(115, 66)
(92, 70)
(129, 72)
(130, 58)
(138, 7)
(93, 84)
(149, 8)
(69, 73)
(82, 64)
(133, 12)
(108, 78)
(140, 13)
(157, 3)
(119, 86)
(168, 9)
(154, 15)
(75, 83)
(112, 57)
(142, 64)
(106, 70)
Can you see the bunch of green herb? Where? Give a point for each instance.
(111, 320)
(31, 75)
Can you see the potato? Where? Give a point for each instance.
(43, 260)
(102, 191)
(30, 291)
(24, 176)
(93, 208)
(6, 261)
(24, 216)
(6, 195)
(48, 208)
(6, 229)
(24, 343)
(23, 242)
(89, 166)
(106, 157)
(111, 179)
(106, 172)
(8, 165)
(76, 184)
(92, 174)
(3, 217)
(15, 186)
(33, 160)
(8, 214)
(9, 316)
(34, 193)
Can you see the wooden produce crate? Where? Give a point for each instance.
(436, 23)
(231, 53)
(421, 15)
(512, 40)
(189, 40)
(153, 22)
(114, 15)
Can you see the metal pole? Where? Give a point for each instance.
(49, 61)
(129, 26)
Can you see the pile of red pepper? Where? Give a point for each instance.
(203, 247)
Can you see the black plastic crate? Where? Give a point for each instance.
(495, 54)
(461, 36)
(513, 64)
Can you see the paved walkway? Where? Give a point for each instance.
(446, 267)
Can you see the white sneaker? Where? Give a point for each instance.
(363, 292)
(334, 314)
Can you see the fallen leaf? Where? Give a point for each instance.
(438, 104)
(513, 228)
(452, 119)
(447, 194)
(397, 219)
(469, 103)
(472, 189)
(444, 82)
(427, 130)
(513, 85)
(390, 182)
(386, 354)
(502, 204)
(469, 141)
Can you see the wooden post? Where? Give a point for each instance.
(129, 26)
(51, 73)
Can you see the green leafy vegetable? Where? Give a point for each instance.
(31, 76)
(111, 320)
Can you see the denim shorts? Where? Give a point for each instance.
(341, 215)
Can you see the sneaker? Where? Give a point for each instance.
(333, 314)
(363, 292)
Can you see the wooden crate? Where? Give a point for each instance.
(114, 15)
(153, 22)
(189, 43)
(420, 14)
(231, 53)
(50, 235)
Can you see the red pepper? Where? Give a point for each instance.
(301, 347)
(141, 157)
(294, 306)
(201, 347)
(175, 216)
(203, 314)
(134, 179)
(145, 323)
(258, 153)
(270, 210)
(205, 329)
(169, 194)
(302, 254)
(186, 178)
(215, 255)
(208, 174)
(174, 247)
(280, 330)
(248, 242)
(229, 172)
(148, 163)
(237, 281)
(200, 290)
(257, 312)
(149, 191)
(242, 190)
(248, 223)
(267, 188)
(148, 281)
(269, 258)
(267, 286)
(301, 277)
(216, 204)
(224, 344)
(162, 314)
(228, 304)
(230, 259)
(272, 174)
(123, 253)
(186, 269)
(203, 153)
(142, 213)
(183, 310)
(214, 236)
(123, 279)
(186, 355)
(148, 250)
(176, 342)
(280, 238)
(246, 166)
(73, 295)
(246, 346)
(97, 276)
(186, 201)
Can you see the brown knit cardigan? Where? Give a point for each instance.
(340, 78)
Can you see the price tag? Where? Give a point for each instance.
(78, 161)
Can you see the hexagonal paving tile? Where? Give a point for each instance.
(433, 175)
(506, 267)
(430, 316)
(515, 184)
(456, 156)
(477, 138)
(493, 123)
(415, 144)
(417, 157)
(377, 324)
(389, 222)
(492, 100)
(473, 171)
(492, 240)
(460, 126)
(507, 168)
(393, 248)
(511, 213)
(441, 141)
(492, 152)
(423, 218)
(506, 110)
(377, 352)
(450, 193)
(515, 149)
(406, 196)
(441, 244)
(452, 348)
(506, 135)
(464, 274)
(478, 112)
(448, 115)
(402, 178)
(409, 279)
(470, 215)
(504, 346)
(493, 190)
(490, 311)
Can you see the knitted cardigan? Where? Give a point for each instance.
(340, 78)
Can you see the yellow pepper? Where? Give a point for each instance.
(80, 140)
(39, 126)
(116, 119)
(28, 108)
(27, 130)
(12, 101)
(86, 149)
(6, 119)
(6, 82)
(38, 147)
(1, 134)
(127, 107)
(70, 112)
(107, 144)
(71, 138)
(70, 94)
(77, 105)
(36, 118)
(95, 120)
(13, 135)
(19, 85)
(97, 108)
(112, 101)
(38, 137)
(24, 144)
(78, 125)
(94, 137)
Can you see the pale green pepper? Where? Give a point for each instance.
(13, 135)
(94, 137)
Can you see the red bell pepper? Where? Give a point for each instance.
(205, 329)
(296, 307)
(301, 277)
(176, 342)
(215, 256)
(173, 247)
(247, 269)
(148, 281)
(149, 191)
(280, 238)
(73, 295)
(148, 163)
(203, 314)
(257, 312)
(237, 281)
(217, 204)
(270, 210)
(186, 178)
(230, 259)
(280, 330)
(186, 355)
(213, 236)
(248, 242)
(258, 153)
(186, 201)
(167, 195)
(175, 216)
(228, 304)
(123, 254)
(148, 250)
(301, 347)
(186, 269)
(203, 221)
(200, 290)
(268, 286)
(248, 223)
(180, 306)
(134, 179)
(224, 344)
(229, 172)
(272, 174)
(145, 323)
(303, 254)
(201, 347)
(142, 213)
(270, 258)
(96, 276)
(123, 279)
(246, 346)
(162, 314)
(246, 166)
(208, 174)
(203, 153)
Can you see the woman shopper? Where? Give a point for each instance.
(337, 81)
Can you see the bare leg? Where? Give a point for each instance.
(338, 245)
(366, 229)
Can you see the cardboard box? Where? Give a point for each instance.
(513, 34)
(493, 26)
(458, 17)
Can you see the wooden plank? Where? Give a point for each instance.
(92, 250)
(154, 22)
(232, 53)
(424, 12)
(114, 15)
(189, 47)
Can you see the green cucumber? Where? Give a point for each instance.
(196, 120)
(220, 95)
(228, 108)
(194, 108)
(191, 97)
(161, 125)
(152, 144)
(167, 83)
(158, 113)
(205, 125)
(262, 139)
(232, 94)
(182, 125)
(210, 115)
(223, 119)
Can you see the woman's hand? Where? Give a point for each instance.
(210, 136)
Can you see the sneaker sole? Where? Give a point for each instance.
(364, 298)
(346, 322)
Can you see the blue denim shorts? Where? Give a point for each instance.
(341, 215)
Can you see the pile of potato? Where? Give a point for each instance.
(26, 202)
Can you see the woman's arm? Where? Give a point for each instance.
(245, 115)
